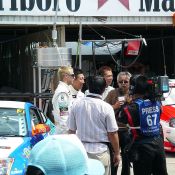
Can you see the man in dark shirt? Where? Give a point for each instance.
(145, 150)
(117, 98)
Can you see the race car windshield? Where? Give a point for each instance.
(12, 122)
(169, 98)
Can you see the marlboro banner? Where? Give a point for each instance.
(133, 47)
(87, 7)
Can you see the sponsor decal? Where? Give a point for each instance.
(20, 111)
(5, 165)
(26, 152)
(3, 138)
(5, 147)
(16, 171)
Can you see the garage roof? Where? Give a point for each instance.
(72, 20)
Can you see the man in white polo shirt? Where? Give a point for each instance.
(106, 72)
(93, 121)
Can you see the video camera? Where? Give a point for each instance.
(157, 86)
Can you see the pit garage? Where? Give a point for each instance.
(28, 25)
(17, 46)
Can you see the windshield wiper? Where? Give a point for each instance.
(10, 135)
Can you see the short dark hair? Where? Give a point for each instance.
(33, 170)
(96, 84)
(139, 84)
(77, 71)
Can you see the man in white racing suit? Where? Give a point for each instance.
(77, 85)
(62, 98)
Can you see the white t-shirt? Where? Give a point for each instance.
(107, 90)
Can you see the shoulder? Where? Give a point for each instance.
(110, 88)
(77, 102)
(71, 87)
(112, 92)
(106, 105)
(62, 88)
(86, 92)
(80, 94)
(62, 96)
(111, 95)
(132, 107)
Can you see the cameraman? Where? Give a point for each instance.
(142, 116)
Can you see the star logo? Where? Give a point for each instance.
(124, 2)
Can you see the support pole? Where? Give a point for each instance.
(122, 61)
(39, 87)
(80, 40)
(34, 83)
(62, 38)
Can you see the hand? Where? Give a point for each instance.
(122, 100)
(116, 159)
(116, 105)
(121, 103)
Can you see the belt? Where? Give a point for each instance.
(94, 142)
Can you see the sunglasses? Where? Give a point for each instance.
(71, 75)
(124, 81)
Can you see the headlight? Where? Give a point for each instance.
(5, 165)
(172, 122)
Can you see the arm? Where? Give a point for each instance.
(113, 138)
(71, 121)
(112, 99)
(116, 105)
(71, 132)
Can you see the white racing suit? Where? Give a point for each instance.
(61, 102)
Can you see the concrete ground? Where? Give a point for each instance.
(170, 158)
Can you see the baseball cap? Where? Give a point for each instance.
(63, 155)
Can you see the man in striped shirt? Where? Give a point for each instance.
(93, 121)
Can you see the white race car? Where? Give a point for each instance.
(168, 117)
(22, 125)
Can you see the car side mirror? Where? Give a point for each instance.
(40, 129)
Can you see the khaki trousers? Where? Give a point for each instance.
(104, 158)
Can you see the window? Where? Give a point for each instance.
(35, 117)
(12, 122)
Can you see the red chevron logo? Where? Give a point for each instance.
(123, 2)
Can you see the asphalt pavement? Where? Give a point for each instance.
(170, 158)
